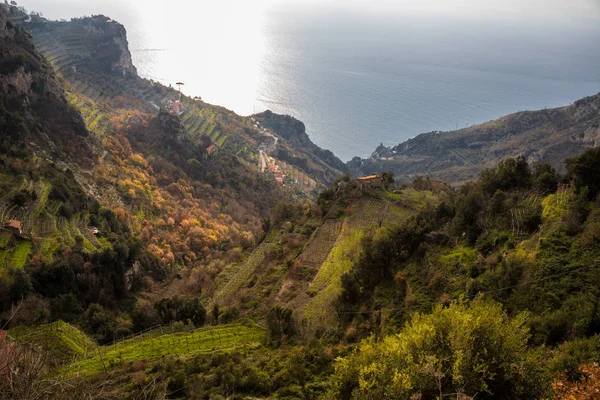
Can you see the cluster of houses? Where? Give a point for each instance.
(275, 170)
(257, 125)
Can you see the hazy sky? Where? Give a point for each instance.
(535, 9)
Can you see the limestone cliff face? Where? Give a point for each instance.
(105, 28)
(99, 42)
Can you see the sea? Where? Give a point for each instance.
(361, 73)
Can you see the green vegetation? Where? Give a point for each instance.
(62, 340)
(465, 349)
(458, 157)
(128, 223)
(245, 270)
(18, 258)
(155, 346)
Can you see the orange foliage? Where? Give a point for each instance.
(588, 388)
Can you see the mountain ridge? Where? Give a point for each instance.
(549, 135)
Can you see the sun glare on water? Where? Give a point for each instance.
(215, 48)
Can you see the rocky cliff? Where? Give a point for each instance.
(313, 159)
(34, 111)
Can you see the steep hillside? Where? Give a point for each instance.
(91, 142)
(93, 57)
(106, 199)
(300, 264)
(549, 135)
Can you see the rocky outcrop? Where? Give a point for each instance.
(113, 33)
(32, 101)
(172, 126)
(107, 50)
(296, 140)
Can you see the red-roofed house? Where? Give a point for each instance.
(212, 149)
(178, 107)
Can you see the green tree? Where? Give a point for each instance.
(66, 307)
(473, 349)
(511, 173)
(215, 314)
(280, 325)
(584, 170)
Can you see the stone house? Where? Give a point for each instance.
(369, 182)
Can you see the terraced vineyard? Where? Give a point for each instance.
(199, 122)
(40, 218)
(245, 271)
(64, 51)
(364, 217)
(156, 344)
(292, 289)
(62, 340)
(321, 243)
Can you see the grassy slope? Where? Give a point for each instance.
(63, 341)
(244, 272)
(155, 345)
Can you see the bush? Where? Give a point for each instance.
(180, 309)
(475, 349)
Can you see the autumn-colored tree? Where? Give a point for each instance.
(587, 388)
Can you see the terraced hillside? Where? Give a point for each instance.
(91, 54)
(63, 341)
(237, 276)
(307, 265)
(313, 284)
(163, 342)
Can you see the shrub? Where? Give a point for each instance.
(472, 348)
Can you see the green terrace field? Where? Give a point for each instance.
(40, 219)
(164, 342)
(201, 122)
(63, 341)
(292, 290)
(240, 275)
(64, 50)
(321, 243)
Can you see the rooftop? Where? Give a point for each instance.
(14, 224)
(368, 178)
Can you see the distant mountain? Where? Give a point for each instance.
(549, 135)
